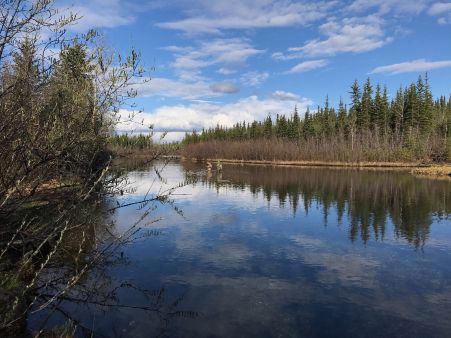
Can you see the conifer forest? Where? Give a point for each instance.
(409, 125)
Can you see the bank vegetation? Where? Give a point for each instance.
(59, 98)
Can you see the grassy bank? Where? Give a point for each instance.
(418, 169)
(317, 163)
(435, 171)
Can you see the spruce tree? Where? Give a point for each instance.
(356, 106)
(397, 114)
(341, 120)
(426, 108)
(377, 111)
(267, 127)
(354, 112)
(295, 124)
(26, 90)
(411, 120)
(385, 112)
(307, 128)
(363, 120)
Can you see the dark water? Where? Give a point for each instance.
(279, 252)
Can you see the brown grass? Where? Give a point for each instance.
(364, 151)
(438, 171)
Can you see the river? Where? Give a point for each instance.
(259, 251)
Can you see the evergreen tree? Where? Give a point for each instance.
(254, 130)
(377, 112)
(356, 106)
(26, 90)
(295, 124)
(426, 105)
(341, 123)
(355, 111)
(308, 129)
(267, 127)
(397, 114)
(363, 119)
(72, 110)
(385, 123)
(411, 120)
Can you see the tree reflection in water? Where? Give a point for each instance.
(369, 198)
(220, 276)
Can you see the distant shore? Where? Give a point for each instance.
(143, 153)
(415, 168)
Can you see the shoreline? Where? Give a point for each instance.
(415, 168)
(406, 165)
(419, 169)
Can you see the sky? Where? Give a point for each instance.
(219, 62)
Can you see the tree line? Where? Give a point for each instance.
(126, 141)
(411, 124)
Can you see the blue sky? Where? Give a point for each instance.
(226, 61)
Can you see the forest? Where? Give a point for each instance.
(411, 125)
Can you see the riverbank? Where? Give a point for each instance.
(416, 168)
(316, 163)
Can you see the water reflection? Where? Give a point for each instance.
(369, 199)
(271, 252)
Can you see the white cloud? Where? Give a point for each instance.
(420, 65)
(254, 79)
(189, 63)
(308, 66)
(278, 56)
(214, 16)
(440, 8)
(233, 52)
(99, 14)
(285, 96)
(177, 118)
(386, 6)
(180, 88)
(226, 71)
(444, 21)
(176, 49)
(351, 35)
(224, 87)
(173, 136)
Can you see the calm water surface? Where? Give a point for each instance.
(281, 252)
